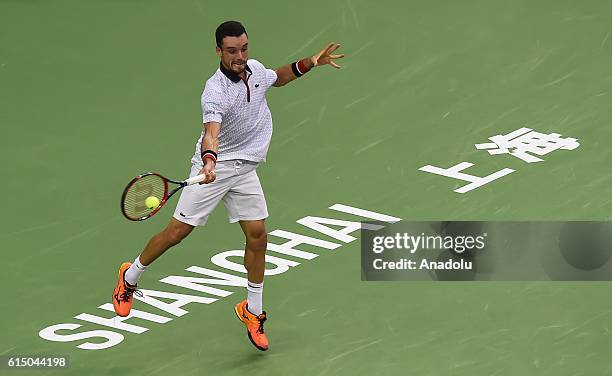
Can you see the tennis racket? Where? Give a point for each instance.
(150, 184)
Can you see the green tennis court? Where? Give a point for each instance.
(95, 92)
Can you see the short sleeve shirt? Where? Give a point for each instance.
(241, 108)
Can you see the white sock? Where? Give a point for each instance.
(134, 272)
(255, 297)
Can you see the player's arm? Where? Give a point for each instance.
(210, 147)
(290, 72)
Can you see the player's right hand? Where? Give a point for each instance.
(209, 172)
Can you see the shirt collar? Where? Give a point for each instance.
(231, 75)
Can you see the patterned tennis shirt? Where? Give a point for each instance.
(240, 107)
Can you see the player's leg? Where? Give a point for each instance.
(250, 311)
(246, 204)
(255, 262)
(130, 273)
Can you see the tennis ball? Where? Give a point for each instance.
(152, 202)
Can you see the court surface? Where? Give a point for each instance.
(92, 93)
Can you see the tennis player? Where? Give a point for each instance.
(237, 128)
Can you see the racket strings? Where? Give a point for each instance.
(134, 202)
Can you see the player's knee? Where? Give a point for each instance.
(175, 235)
(258, 240)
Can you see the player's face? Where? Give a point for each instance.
(234, 53)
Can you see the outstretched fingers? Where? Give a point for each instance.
(326, 56)
(332, 47)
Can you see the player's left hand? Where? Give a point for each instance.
(326, 56)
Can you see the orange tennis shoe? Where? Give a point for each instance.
(122, 296)
(254, 324)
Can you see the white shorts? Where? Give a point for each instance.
(237, 184)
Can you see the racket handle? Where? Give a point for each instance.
(194, 180)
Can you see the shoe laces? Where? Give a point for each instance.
(261, 319)
(128, 292)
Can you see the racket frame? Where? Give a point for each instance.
(162, 201)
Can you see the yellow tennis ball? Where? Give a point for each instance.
(152, 202)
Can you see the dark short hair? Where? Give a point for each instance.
(229, 29)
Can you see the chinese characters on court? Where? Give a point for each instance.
(524, 143)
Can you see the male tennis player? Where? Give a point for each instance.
(235, 138)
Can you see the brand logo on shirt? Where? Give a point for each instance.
(256, 85)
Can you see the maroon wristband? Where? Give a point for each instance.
(302, 67)
(209, 154)
(299, 68)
